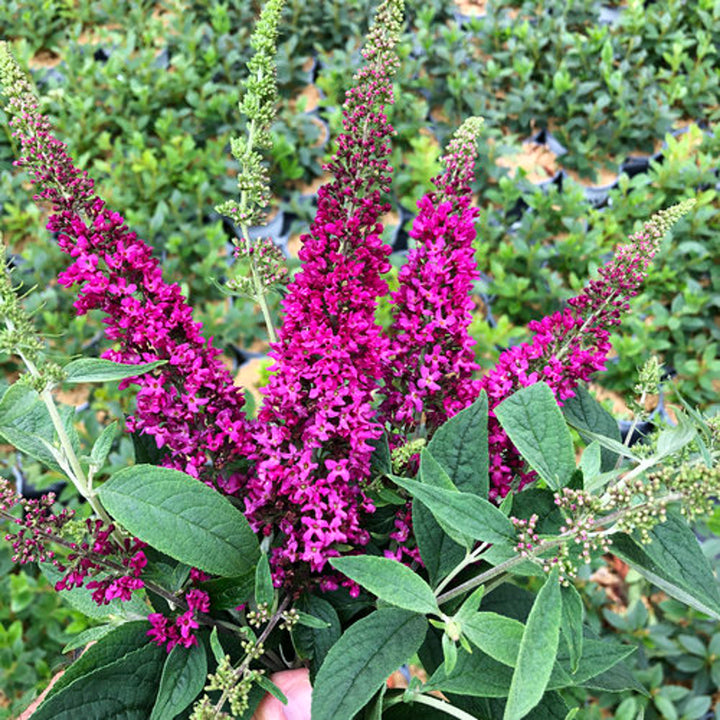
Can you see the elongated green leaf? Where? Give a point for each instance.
(584, 412)
(470, 605)
(468, 514)
(598, 656)
(228, 593)
(181, 517)
(591, 461)
(16, 401)
(474, 674)
(31, 444)
(432, 474)
(358, 664)
(124, 639)
(496, 635)
(533, 421)
(315, 643)
(122, 690)
(101, 447)
(675, 563)
(461, 447)
(100, 370)
(92, 634)
(572, 617)
(183, 677)
(438, 550)
(390, 580)
(538, 650)
(264, 590)
(310, 620)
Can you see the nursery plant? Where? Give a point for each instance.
(388, 503)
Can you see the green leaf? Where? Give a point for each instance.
(359, 663)
(470, 605)
(228, 593)
(122, 690)
(100, 370)
(270, 687)
(380, 460)
(122, 640)
(598, 656)
(32, 444)
(181, 517)
(572, 618)
(533, 421)
(92, 634)
(217, 649)
(461, 447)
(101, 447)
(311, 621)
(675, 563)
(468, 514)
(315, 643)
(264, 590)
(584, 412)
(538, 650)
(432, 474)
(591, 461)
(183, 677)
(390, 580)
(17, 400)
(496, 635)
(673, 439)
(474, 674)
(438, 550)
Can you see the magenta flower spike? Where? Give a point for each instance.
(569, 346)
(318, 421)
(431, 361)
(190, 405)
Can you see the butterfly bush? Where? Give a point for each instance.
(303, 468)
(431, 361)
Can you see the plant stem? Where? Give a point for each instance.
(543, 547)
(468, 560)
(240, 670)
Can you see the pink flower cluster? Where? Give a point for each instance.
(100, 554)
(317, 422)
(38, 525)
(431, 361)
(190, 405)
(569, 346)
(181, 630)
(120, 566)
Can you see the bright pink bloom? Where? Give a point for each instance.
(569, 346)
(318, 420)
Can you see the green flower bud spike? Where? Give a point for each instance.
(258, 105)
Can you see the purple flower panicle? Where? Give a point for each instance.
(317, 420)
(190, 405)
(569, 346)
(430, 360)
